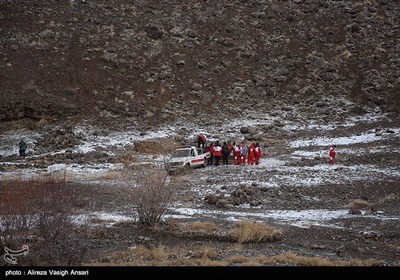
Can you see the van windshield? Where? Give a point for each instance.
(181, 153)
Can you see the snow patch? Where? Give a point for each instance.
(347, 140)
(301, 218)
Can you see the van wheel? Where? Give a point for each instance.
(205, 162)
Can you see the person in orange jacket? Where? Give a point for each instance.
(332, 154)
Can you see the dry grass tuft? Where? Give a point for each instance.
(207, 256)
(205, 252)
(236, 259)
(160, 253)
(359, 204)
(250, 232)
(210, 252)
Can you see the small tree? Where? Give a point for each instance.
(151, 192)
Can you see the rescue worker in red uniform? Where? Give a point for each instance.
(217, 153)
(250, 160)
(211, 150)
(201, 140)
(332, 154)
(230, 147)
(238, 154)
(258, 153)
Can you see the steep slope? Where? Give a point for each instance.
(158, 61)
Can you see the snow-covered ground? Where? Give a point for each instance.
(345, 140)
(279, 170)
(301, 218)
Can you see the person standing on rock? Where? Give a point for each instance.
(22, 147)
(332, 154)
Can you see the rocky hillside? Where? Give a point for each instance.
(159, 61)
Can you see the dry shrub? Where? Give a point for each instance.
(16, 217)
(359, 204)
(160, 253)
(205, 252)
(208, 227)
(251, 232)
(210, 252)
(150, 191)
(39, 212)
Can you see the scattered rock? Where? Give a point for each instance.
(154, 32)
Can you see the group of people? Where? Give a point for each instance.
(250, 154)
(242, 153)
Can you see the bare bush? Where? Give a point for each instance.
(16, 218)
(40, 213)
(151, 192)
